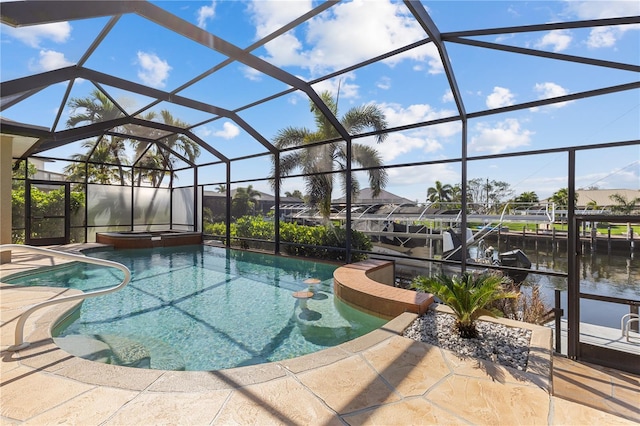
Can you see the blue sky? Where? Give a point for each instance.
(409, 88)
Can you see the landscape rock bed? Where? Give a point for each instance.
(508, 346)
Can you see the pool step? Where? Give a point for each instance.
(108, 349)
(85, 347)
(118, 350)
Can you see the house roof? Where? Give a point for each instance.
(365, 196)
(602, 197)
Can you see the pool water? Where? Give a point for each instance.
(202, 308)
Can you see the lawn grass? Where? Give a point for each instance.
(602, 228)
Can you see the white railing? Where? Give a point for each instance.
(19, 339)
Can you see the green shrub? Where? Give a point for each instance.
(304, 241)
(469, 296)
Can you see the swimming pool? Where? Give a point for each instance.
(202, 308)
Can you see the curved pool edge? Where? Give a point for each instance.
(368, 286)
(43, 355)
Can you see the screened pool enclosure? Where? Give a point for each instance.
(238, 120)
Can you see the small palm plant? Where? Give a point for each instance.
(469, 296)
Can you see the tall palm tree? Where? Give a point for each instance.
(244, 201)
(440, 193)
(100, 170)
(221, 189)
(318, 161)
(160, 162)
(94, 109)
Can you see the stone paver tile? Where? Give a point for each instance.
(27, 392)
(7, 364)
(90, 408)
(44, 356)
(156, 408)
(199, 381)
(491, 403)
(578, 383)
(409, 366)
(283, 401)
(571, 413)
(482, 369)
(110, 375)
(627, 407)
(314, 360)
(413, 412)
(348, 385)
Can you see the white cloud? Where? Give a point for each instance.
(448, 96)
(384, 83)
(153, 70)
(604, 36)
(500, 97)
(601, 37)
(422, 140)
(398, 144)
(229, 131)
(505, 135)
(422, 176)
(559, 40)
(206, 13)
(549, 90)
(348, 33)
(269, 16)
(602, 9)
(33, 36)
(347, 90)
(399, 116)
(250, 73)
(49, 60)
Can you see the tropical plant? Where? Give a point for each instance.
(94, 109)
(157, 162)
(295, 194)
(101, 169)
(321, 242)
(527, 197)
(561, 197)
(440, 193)
(153, 163)
(624, 206)
(318, 162)
(469, 296)
(221, 189)
(244, 201)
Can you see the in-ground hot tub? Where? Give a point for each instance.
(148, 239)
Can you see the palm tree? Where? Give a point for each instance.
(221, 189)
(244, 201)
(94, 109)
(440, 193)
(99, 170)
(159, 162)
(294, 194)
(527, 197)
(318, 161)
(561, 197)
(469, 296)
(624, 206)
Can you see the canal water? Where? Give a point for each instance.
(613, 274)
